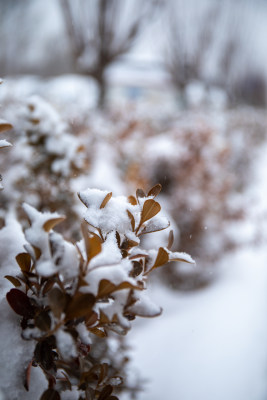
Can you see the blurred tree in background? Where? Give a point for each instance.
(102, 31)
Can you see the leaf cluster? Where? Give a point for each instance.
(63, 289)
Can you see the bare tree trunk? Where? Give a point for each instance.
(102, 92)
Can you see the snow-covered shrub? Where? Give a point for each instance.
(71, 297)
(49, 157)
(4, 126)
(194, 160)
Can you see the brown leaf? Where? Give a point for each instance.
(93, 244)
(106, 287)
(170, 240)
(28, 376)
(155, 190)
(48, 285)
(5, 126)
(140, 255)
(106, 200)
(162, 258)
(24, 261)
(37, 252)
(100, 332)
(103, 372)
(43, 321)
(137, 269)
(140, 193)
(57, 301)
(106, 392)
(13, 280)
(51, 223)
(91, 319)
(130, 215)
(150, 209)
(80, 305)
(50, 394)
(132, 200)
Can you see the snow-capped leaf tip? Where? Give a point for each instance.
(155, 190)
(106, 200)
(51, 223)
(4, 143)
(182, 257)
(4, 125)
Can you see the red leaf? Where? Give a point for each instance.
(20, 303)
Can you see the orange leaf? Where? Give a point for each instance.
(155, 190)
(130, 215)
(140, 193)
(13, 280)
(150, 209)
(162, 258)
(132, 200)
(24, 261)
(48, 225)
(5, 126)
(106, 200)
(170, 240)
(80, 305)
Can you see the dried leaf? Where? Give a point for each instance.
(105, 392)
(130, 215)
(44, 355)
(24, 261)
(13, 280)
(51, 223)
(28, 376)
(170, 240)
(50, 394)
(106, 200)
(91, 319)
(20, 303)
(155, 191)
(48, 286)
(150, 209)
(106, 287)
(132, 200)
(80, 305)
(103, 372)
(43, 321)
(100, 332)
(93, 244)
(162, 258)
(137, 269)
(118, 238)
(5, 126)
(139, 255)
(57, 301)
(140, 193)
(37, 252)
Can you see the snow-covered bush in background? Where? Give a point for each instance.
(47, 159)
(202, 159)
(68, 295)
(4, 126)
(195, 160)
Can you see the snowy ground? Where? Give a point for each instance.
(211, 344)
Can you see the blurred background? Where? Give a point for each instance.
(121, 94)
